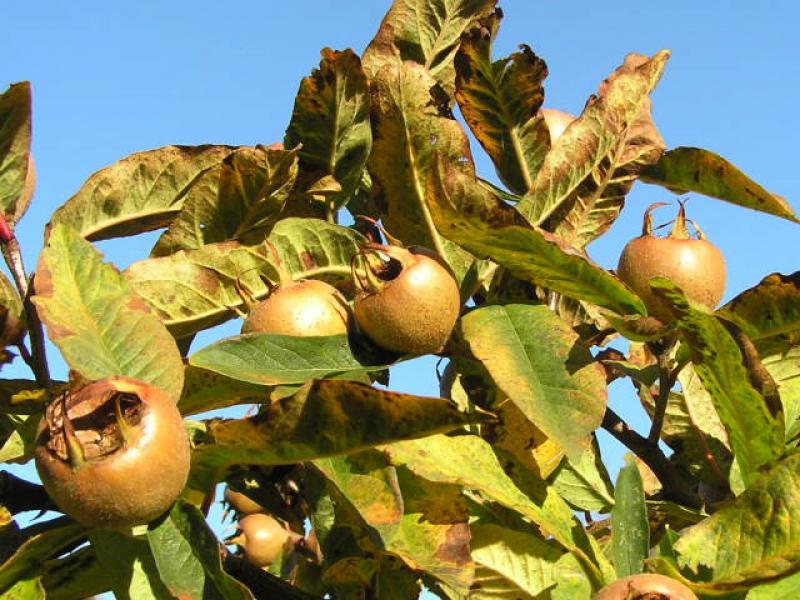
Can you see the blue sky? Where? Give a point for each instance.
(110, 79)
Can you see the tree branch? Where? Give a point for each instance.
(262, 584)
(674, 483)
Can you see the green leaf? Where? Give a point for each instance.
(686, 170)
(785, 370)
(77, 575)
(584, 482)
(756, 436)
(759, 542)
(187, 555)
(534, 358)
(500, 102)
(130, 563)
(15, 146)
(787, 588)
(330, 123)
(267, 359)
(100, 327)
(410, 129)
(324, 418)
(423, 524)
(141, 192)
(510, 564)
(12, 319)
(17, 437)
(469, 461)
(26, 589)
(631, 530)
(769, 313)
(529, 253)
(239, 198)
(580, 189)
(193, 290)
(571, 582)
(205, 390)
(427, 33)
(28, 560)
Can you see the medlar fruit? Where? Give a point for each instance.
(407, 300)
(646, 586)
(300, 308)
(113, 454)
(262, 538)
(695, 265)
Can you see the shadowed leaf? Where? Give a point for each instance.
(529, 253)
(267, 359)
(533, 358)
(141, 192)
(584, 482)
(195, 289)
(330, 123)
(205, 390)
(785, 370)
(239, 198)
(760, 542)
(15, 146)
(77, 575)
(187, 555)
(686, 170)
(12, 320)
(631, 530)
(768, 313)
(324, 418)
(500, 102)
(756, 436)
(100, 327)
(129, 562)
(410, 129)
(427, 33)
(581, 187)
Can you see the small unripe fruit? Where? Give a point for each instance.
(262, 538)
(119, 457)
(408, 300)
(301, 308)
(646, 586)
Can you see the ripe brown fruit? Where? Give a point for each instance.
(695, 265)
(557, 121)
(242, 503)
(120, 457)
(408, 300)
(301, 308)
(262, 538)
(646, 586)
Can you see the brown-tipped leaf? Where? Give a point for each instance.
(16, 166)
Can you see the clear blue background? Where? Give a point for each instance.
(110, 79)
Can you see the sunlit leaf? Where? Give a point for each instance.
(769, 313)
(787, 588)
(130, 563)
(15, 144)
(529, 253)
(330, 123)
(584, 482)
(186, 553)
(205, 390)
(785, 370)
(760, 542)
(580, 189)
(631, 530)
(533, 358)
(12, 321)
(427, 33)
(267, 359)
(324, 418)
(141, 192)
(101, 328)
(500, 102)
(509, 564)
(17, 437)
(756, 436)
(238, 199)
(193, 290)
(696, 170)
(410, 129)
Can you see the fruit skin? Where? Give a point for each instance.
(262, 539)
(413, 312)
(557, 121)
(302, 308)
(695, 265)
(242, 503)
(646, 586)
(134, 483)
